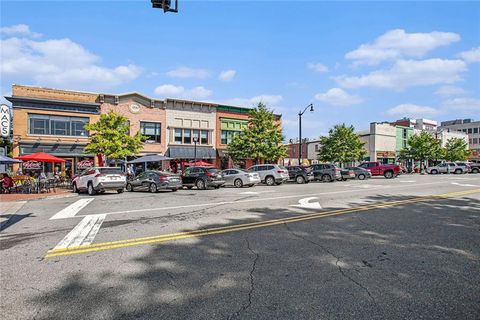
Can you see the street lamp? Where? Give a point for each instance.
(300, 114)
(195, 140)
(166, 5)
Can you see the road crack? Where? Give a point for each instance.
(252, 284)
(337, 264)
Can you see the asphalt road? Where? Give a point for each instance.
(407, 248)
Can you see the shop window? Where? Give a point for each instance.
(57, 125)
(152, 130)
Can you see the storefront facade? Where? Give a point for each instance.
(52, 121)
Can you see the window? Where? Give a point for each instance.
(316, 147)
(404, 133)
(475, 130)
(187, 138)
(475, 140)
(204, 137)
(152, 130)
(226, 136)
(178, 135)
(196, 136)
(57, 125)
(469, 130)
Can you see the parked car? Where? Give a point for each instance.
(474, 167)
(270, 174)
(466, 166)
(299, 174)
(447, 167)
(326, 172)
(239, 178)
(153, 181)
(346, 174)
(361, 173)
(100, 179)
(202, 178)
(389, 171)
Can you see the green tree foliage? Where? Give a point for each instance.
(421, 147)
(261, 140)
(342, 145)
(456, 149)
(111, 137)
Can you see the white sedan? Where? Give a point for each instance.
(239, 178)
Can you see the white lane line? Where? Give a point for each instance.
(464, 184)
(255, 192)
(72, 209)
(260, 199)
(305, 203)
(408, 181)
(83, 233)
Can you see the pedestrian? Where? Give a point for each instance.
(7, 183)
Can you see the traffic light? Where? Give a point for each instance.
(165, 5)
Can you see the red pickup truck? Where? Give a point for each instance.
(389, 171)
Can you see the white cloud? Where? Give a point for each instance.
(19, 29)
(179, 92)
(186, 72)
(472, 55)
(396, 44)
(60, 63)
(408, 73)
(268, 100)
(338, 97)
(412, 110)
(227, 75)
(450, 91)
(463, 104)
(317, 67)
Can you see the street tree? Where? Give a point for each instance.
(422, 147)
(261, 139)
(456, 149)
(110, 137)
(342, 145)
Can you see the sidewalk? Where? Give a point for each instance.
(59, 193)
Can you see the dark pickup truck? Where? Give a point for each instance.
(389, 171)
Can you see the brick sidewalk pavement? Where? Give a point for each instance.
(32, 196)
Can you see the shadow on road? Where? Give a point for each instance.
(411, 261)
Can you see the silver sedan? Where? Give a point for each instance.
(239, 178)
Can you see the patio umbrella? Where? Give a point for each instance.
(40, 157)
(7, 160)
(150, 158)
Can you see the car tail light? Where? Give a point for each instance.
(163, 178)
(210, 174)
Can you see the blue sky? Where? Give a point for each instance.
(357, 62)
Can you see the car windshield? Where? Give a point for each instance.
(110, 170)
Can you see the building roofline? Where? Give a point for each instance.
(20, 98)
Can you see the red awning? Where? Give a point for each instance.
(41, 157)
(198, 164)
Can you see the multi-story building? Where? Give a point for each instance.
(230, 122)
(380, 142)
(468, 127)
(53, 121)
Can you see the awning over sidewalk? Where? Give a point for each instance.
(189, 153)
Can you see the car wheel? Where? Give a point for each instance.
(238, 183)
(200, 184)
(152, 188)
(129, 187)
(361, 177)
(173, 190)
(90, 189)
(388, 175)
(75, 189)
(475, 170)
(326, 178)
(458, 171)
(300, 180)
(434, 172)
(270, 181)
(120, 190)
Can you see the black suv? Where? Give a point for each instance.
(202, 178)
(326, 172)
(299, 174)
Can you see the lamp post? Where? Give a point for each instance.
(195, 140)
(300, 114)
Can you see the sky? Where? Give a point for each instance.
(357, 62)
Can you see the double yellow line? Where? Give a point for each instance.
(239, 227)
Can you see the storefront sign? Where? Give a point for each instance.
(32, 165)
(85, 164)
(386, 154)
(4, 120)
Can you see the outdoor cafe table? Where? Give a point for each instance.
(27, 184)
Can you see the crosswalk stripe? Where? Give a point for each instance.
(72, 209)
(84, 233)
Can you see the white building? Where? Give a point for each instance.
(469, 128)
(380, 142)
